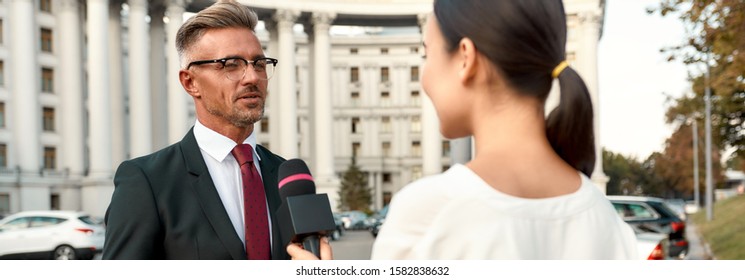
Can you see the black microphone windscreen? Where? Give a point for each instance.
(295, 179)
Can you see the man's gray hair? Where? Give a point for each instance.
(222, 14)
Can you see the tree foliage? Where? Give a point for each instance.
(626, 176)
(673, 168)
(354, 193)
(667, 174)
(715, 31)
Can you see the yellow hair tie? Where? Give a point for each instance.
(558, 69)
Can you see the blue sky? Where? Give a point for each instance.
(633, 75)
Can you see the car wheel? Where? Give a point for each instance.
(64, 252)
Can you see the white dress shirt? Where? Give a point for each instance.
(226, 173)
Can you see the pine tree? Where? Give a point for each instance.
(354, 193)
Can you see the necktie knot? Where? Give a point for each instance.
(243, 153)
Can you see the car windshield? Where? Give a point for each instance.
(88, 220)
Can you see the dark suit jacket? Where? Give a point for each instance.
(165, 206)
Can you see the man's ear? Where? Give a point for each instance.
(467, 58)
(187, 81)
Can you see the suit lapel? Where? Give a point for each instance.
(269, 166)
(201, 183)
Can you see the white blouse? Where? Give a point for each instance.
(456, 215)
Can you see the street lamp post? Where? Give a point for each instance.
(696, 195)
(707, 102)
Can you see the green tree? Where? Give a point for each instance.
(715, 31)
(354, 193)
(624, 174)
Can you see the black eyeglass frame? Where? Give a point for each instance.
(222, 61)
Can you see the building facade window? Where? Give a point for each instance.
(356, 146)
(445, 168)
(1, 31)
(414, 73)
(355, 124)
(4, 204)
(445, 148)
(354, 74)
(385, 94)
(416, 172)
(50, 158)
(415, 100)
(2, 114)
(265, 125)
(384, 74)
(2, 73)
(386, 149)
(48, 119)
(3, 155)
(46, 40)
(47, 80)
(416, 124)
(416, 148)
(45, 6)
(387, 177)
(353, 51)
(383, 50)
(54, 202)
(385, 125)
(414, 50)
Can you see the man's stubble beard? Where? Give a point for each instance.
(236, 117)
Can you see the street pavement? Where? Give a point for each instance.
(353, 245)
(697, 247)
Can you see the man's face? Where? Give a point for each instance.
(222, 101)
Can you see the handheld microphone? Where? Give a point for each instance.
(304, 215)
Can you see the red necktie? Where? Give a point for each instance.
(254, 205)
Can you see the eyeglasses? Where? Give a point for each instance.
(235, 67)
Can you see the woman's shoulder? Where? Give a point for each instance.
(448, 183)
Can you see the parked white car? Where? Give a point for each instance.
(59, 235)
(652, 246)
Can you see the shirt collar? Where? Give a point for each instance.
(217, 145)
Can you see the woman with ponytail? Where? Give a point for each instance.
(526, 194)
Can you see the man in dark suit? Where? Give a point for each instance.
(187, 201)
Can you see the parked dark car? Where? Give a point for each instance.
(653, 215)
(376, 221)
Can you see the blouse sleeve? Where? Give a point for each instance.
(409, 218)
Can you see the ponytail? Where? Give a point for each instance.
(569, 127)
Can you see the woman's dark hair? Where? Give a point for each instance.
(526, 40)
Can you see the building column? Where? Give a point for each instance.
(273, 89)
(378, 198)
(460, 150)
(588, 69)
(71, 85)
(140, 117)
(24, 87)
(98, 187)
(323, 148)
(287, 113)
(178, 103)
(116, 86)
(158, 94)
(431, 138)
